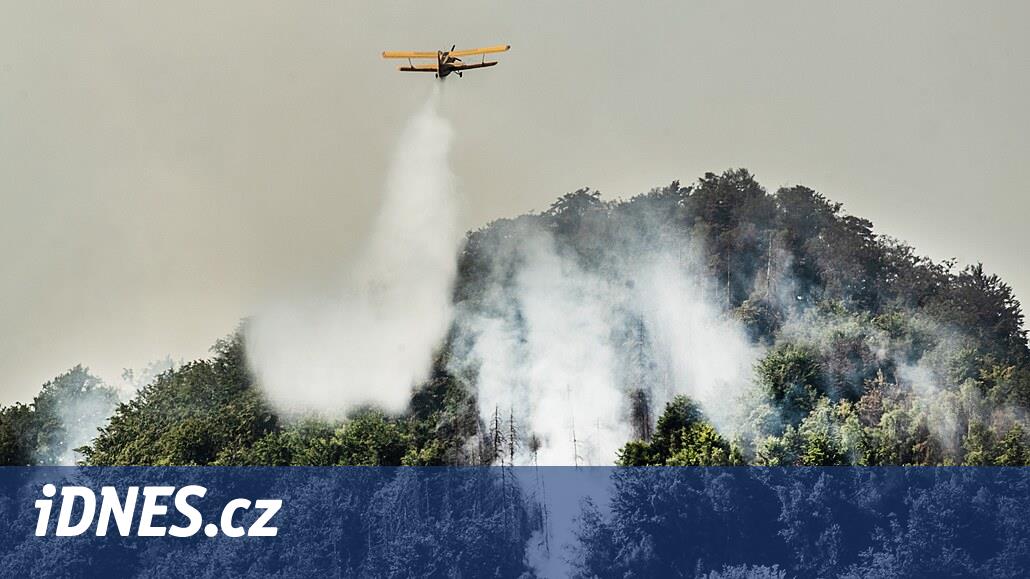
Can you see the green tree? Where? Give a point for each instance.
(783, 450)
(1013, 449)
(17, 430)
(65, 414)
(978, 445)
(204, 412)
(792, 377)
(822, 442)
(682, 437)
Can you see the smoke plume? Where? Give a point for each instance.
(562, 348)
(373, 340)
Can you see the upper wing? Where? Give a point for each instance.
(474, 51)
(418, 68)
(407, 54)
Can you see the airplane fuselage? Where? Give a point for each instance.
(443, 63)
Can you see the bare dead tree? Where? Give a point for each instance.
(640, 413)
(496, 437)
(513, 437)
(575, 443)
(534, 447)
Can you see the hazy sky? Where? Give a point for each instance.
(167, 168)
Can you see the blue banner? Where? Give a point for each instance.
(716, 523)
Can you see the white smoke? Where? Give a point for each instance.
(81, 416)
(561, 348)
(574, 400)
(375, 339)
(706, 352)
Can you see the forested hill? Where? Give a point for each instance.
(858, 351)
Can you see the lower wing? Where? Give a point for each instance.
(473, 65)
(419, 68)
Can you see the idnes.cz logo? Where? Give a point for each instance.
(122, 512)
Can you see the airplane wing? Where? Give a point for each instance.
(418, 68)
(407, 54)
(473, 65)
(475, 51)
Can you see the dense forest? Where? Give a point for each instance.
(870, 354)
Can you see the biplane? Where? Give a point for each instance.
(447, 61)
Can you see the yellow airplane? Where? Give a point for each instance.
(447, 61)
